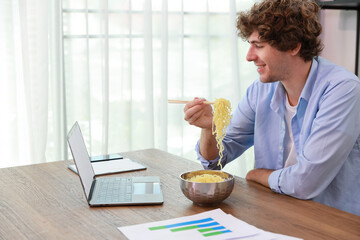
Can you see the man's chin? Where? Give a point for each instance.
(265, 79)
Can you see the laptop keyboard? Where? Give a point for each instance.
(113, 190)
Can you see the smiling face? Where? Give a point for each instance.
(272, 64)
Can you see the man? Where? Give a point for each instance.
(302, 115)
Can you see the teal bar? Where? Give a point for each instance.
(157, 228)
(205, 230)
(211, 229)
(183, 228)
(194, 226)
(182, 224)
(215, 233)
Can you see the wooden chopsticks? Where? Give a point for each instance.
(185, 101)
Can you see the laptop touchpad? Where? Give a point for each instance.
(146, 188)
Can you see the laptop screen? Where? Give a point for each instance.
(81, 158)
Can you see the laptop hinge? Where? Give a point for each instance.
(92, 189)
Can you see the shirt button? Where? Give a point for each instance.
(281, 148)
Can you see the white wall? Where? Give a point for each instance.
(339, 37)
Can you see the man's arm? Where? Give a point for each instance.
(208, 145)
(260, 176)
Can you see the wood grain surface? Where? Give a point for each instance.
(46, 201)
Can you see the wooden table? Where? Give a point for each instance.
(46, 201)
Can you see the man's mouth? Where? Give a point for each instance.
(260, 68)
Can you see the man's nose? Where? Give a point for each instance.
(251, 56)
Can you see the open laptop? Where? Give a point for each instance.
(106, 191)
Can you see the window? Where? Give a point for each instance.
(123, 59)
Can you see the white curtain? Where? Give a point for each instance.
(111, 66)
(26, 62)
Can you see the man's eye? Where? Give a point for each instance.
(258, 46)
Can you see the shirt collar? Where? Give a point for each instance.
(310, 81)
(277, 101)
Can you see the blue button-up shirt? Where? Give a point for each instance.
(326, 132)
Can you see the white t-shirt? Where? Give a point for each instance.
(290, 154)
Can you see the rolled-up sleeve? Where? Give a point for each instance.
(274, 181)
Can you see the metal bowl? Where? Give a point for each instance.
(206, 193)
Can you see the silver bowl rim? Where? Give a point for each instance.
(229, 179)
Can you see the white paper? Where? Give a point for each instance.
(113, 166)
(232, 228)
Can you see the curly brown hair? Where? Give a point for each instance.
(284, 24)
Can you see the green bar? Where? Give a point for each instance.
(156, 228)
(183, 228)
(212, 234)
(205, 230)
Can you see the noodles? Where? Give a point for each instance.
(221, 119)
(206, 178)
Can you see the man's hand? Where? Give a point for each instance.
(198, 113)
(259, 175)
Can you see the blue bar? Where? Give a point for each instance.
(194, 226)
(203, 230)
(218, 228)
(208, 224)
(215, 233)
(189, 223)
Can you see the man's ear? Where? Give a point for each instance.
(296, 50)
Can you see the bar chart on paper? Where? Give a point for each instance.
(210, 225)
(206, 227)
